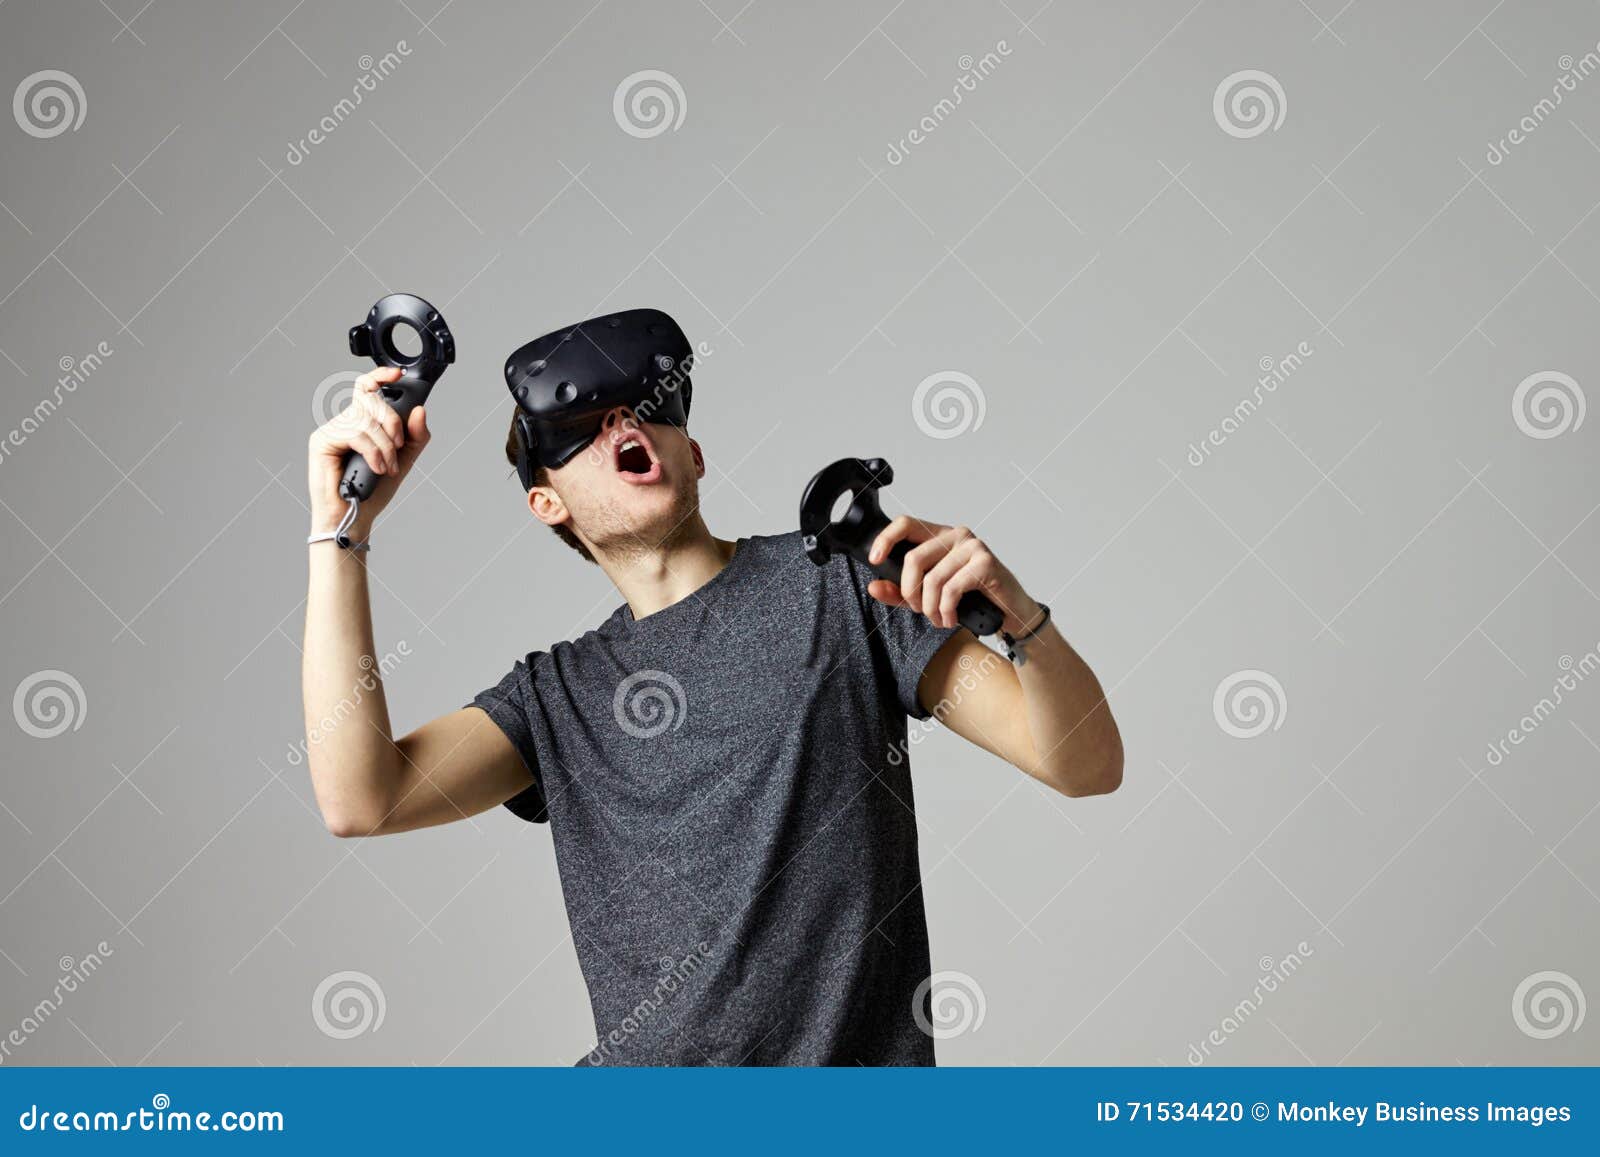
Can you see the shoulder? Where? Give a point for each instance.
(779, 561)
(777, 546)
(596, 638)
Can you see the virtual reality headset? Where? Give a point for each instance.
(565, 382)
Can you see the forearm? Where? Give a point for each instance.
(1047, 717)
(1077, 748)
(349, 744)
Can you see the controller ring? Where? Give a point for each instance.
(374, 338)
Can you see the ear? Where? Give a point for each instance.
(546, 505)
(699, 458)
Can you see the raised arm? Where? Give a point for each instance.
(1048, 717)
(366, 781)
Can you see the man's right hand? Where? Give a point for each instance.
(370, 427)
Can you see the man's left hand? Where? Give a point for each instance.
(945, 562)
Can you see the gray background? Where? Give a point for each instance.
(1080, 236)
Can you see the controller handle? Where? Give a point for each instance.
(374, 338)
(853, 532)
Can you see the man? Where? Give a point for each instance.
(723, 761)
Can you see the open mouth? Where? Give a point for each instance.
(635, 459)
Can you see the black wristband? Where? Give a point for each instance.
(1011, 641)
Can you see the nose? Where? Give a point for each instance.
(619, 419)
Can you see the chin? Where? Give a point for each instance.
(649, 516)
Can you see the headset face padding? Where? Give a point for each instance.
(565, 382)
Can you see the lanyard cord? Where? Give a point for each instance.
(341, 533)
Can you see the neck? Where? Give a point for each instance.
(652, 580)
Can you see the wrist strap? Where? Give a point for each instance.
(1014, 650)
(341, 533)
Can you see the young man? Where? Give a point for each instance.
(723, 761)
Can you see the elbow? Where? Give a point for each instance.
(350, 793)
(1108, 780)
(1099, 775)
(346, 816)
(346, 825)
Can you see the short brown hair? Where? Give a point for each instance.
(541, 477)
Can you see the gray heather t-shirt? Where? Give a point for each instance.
(730, 798)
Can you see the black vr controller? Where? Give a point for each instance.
(565, 382)
(374, 338)
(853, 532)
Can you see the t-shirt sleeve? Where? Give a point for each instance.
(511, 703)
(904, 640)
